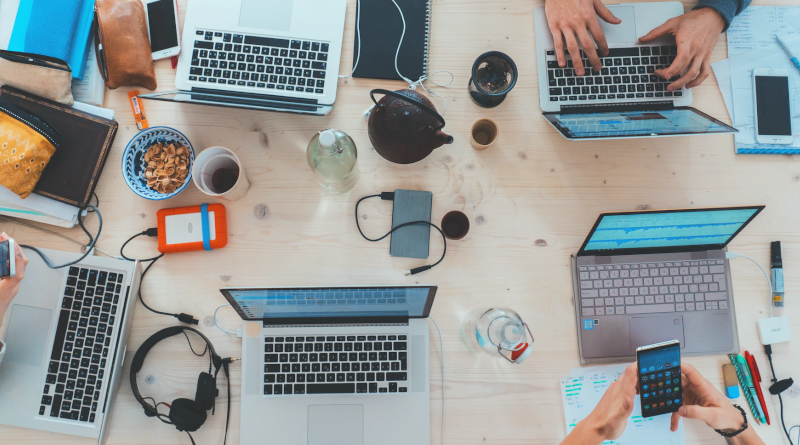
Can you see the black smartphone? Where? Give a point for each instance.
(660, 378)
(7, 262)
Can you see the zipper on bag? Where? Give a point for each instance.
(36, 60)
(32, 121)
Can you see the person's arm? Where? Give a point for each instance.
(702, 401)
(10, 286)
(575, 21)
(728, 9)
(608, 419)
(696, 33)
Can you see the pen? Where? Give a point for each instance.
(792, 57)
(747, 387)
(777, 268)
(751, 362)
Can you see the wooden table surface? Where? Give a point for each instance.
(531, 199)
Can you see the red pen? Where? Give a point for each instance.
(751, 363)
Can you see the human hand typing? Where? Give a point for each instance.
(696, 33)
(574, 21)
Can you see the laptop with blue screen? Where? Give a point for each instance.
(335, 365)
(646, 277)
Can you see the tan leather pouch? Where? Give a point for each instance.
(42, 76)
(122, 44)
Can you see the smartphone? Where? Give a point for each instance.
(7, 261)
(660, 388)
(162, 25)
(773, 118)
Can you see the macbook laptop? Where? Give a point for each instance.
(276, 55)
(646, 277)
(625, 98)
(66, 338)
(335, 365)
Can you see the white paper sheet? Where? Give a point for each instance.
(752, 44)
(92, 88)
(722, 71)
(583, 389)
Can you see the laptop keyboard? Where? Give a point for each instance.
(627, 73)
(341, 364)
(262, 63)
(644, 288)
(87, 320)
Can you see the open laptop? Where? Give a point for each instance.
(626, 98)
(275, 55)
(335, 365)
(646, 277)
(66, 338)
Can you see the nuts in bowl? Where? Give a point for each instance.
(166, 167)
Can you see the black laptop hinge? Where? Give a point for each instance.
(618, 107)
(269, 97)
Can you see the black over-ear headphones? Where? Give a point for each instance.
(185, 414)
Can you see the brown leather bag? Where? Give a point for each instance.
(122, 44)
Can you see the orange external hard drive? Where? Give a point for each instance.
(186, 229)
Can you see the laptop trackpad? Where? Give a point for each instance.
(335, 424)
(655, 329)
(27, 334)
(273, 15)
(625, 32)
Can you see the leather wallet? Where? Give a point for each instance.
(43, 76)
(74, 170)
(122, 44)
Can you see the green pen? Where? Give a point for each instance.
(747, 386)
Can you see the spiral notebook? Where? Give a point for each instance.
(381, 28)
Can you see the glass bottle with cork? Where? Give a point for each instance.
(332, 156)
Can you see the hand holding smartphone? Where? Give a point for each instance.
(773, 118)
(660, 388)
(162, 25)
(7, 261)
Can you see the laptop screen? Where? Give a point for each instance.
(617, 123)
(661, 231)
(331, 303)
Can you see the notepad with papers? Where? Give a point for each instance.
(752, 44)
(583, 389)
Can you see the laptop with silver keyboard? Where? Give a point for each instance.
(316, 349)
(275, 55)
(66, 337)
(645, 277)
(625, 98)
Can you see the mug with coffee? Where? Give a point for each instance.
(218, 172)
(483, 134)
(455, 225)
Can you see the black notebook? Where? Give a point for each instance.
(381, 27)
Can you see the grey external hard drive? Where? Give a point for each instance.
(411, 241)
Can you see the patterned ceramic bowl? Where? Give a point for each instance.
(133, 165)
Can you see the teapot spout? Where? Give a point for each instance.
(442, 138)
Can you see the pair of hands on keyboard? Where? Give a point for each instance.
(10, 286)
(576, 22)
(702, 401)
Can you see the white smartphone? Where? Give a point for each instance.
(773, 118)
(7, 261)
(162, 25)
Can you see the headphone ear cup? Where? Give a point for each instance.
(186, 415)
(206, 391)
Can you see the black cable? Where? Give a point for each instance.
(228, 416)
(146, 232)
(191, 438)
(768, 350)
(89, 247)
(97, 200)
(389, 196)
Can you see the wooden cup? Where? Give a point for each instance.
(484, 133)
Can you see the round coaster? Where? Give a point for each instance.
(252, 328)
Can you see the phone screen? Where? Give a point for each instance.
(660, 379)
(5, 260)
(163, 32)
(772, 96)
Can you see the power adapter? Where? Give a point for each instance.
(774, 330)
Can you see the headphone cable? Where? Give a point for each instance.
(89, 247)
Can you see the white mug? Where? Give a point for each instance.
(209, 161)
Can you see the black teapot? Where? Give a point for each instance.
(404, 126)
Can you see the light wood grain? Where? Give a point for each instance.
(531, 199)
